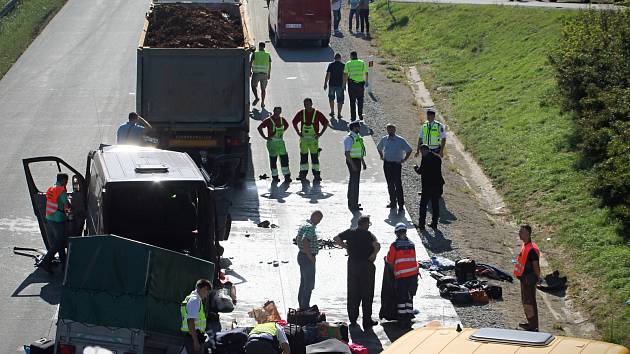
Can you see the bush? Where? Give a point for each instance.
(592, 66)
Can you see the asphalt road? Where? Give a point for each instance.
(76, 83)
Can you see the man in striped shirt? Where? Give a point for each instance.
(402, 256)
(306, 241)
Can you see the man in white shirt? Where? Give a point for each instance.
(194, 317)
(355, 151)
(267, 338)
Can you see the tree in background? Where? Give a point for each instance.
(592, 66)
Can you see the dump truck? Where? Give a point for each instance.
(124, 296)
(194, 89)
(159, 197)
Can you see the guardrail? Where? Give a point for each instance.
(7, 8)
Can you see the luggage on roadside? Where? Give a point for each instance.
(358, 349)
(479, 296)
(465, 270)
(447, 279)
(295, 335)
(311, 334)
(304, 317)
(337, 330)
(42, 346)
(231, 342)
(494, 292)
(461, 298)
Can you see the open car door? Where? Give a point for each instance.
(41, 173)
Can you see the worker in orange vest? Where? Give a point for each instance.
(527, 270)
(402, 256)
(57, 207)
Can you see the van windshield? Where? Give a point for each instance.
(164, 214)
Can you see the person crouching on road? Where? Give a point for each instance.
(194, 317)
(402, 256)
(267, 338)
(430, 171)
(306, 241)
(527, 270)
(309, 124)
(354, 149)
(276, 126)
(57, 206)
(362, 248)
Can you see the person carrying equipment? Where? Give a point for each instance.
(276, 126)
(309, 121)
(402, 256)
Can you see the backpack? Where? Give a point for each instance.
(465, 270)
(230, 342)
(295, 335)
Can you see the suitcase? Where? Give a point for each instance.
(295, 335)
(43, 346)
(479, 296)
(461, 298)
(305, 317)
(465, 270)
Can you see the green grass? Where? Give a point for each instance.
(503, 105)
(21, 26)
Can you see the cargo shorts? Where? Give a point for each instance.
(261, 78)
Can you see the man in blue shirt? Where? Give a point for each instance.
(132, 132)
(394, 151)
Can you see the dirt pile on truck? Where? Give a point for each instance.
(177, 26)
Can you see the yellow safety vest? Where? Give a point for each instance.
(356, 70)
(358, 149)
(432, 137)
(269, 328)
(200, 321)
(261, 62)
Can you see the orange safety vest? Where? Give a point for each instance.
(403, 256)
(519, 266)
(52, 199)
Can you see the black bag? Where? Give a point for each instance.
(231, 342)
(494, 291)
(461, 298)
(447, 279)
(389, 302)
(43, 346)
(465, 270)
(305, 317)
(295, 335)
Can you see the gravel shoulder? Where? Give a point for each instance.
(469, 227)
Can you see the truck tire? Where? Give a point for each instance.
(277, 42)
(325, 42)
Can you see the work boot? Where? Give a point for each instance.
(391, 205)
(433, 225)
(287, 178)
(301, 176)
(317, 176)
(275, 179)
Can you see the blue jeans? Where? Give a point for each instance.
(336, 19)
(336, 91)
(307, 280)
(353, 13)
(57, 234)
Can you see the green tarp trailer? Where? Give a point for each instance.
(115, 282)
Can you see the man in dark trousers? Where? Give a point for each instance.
(394, 151)
(430, 170)
(527, 270)
(309, 124)
(402, 257)
(354, 150)
(334, 80)
(355, 75)
(362, 247)
(194, 317)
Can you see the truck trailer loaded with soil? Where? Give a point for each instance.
(192, 82)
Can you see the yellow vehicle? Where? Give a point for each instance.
(434, 340)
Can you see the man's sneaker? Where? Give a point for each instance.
(361, 117)
(391, 205)
(339, 116)
(255, 101)
(332, 114)
(262, 105)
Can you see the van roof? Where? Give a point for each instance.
(432, 340)
(128, 163)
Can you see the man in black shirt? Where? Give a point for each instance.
(334, 79)
(362, 247)
(430, 170)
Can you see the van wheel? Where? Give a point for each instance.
(325, 42)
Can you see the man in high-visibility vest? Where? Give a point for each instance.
(267, 338)
(194, 317)
(276, 126)
(432, 134)
(57, 207)
(260, 64)
(527, 270)
(354, 149)
(309, 124)
(355, 75)
(402, 257)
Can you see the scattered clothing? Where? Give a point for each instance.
(492, 272)
(437, 263)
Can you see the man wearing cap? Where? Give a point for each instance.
(402, 257)
(433, 134)
(394, 151)
(362, 247)
(276, 125)
(430, 171)
(355, 152)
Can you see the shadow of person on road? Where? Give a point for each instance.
(50, 292)
(393, 331)
(259, 114)
(366, 130)
(338, 124)
(313, 193)
(366, 338)
(436, 243)
(278, 192)
(446, 216)
(394, 217)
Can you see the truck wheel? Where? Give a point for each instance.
(325, 42)
(277, 42)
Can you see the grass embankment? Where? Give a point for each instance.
(21, 26)
(491, 64)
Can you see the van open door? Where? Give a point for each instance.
(41, 173)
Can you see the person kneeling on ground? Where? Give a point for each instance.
(402, 256)
(267, 338)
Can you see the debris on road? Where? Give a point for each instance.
(178, 26)
(264, 224)
(324, 244)
(263, 176)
